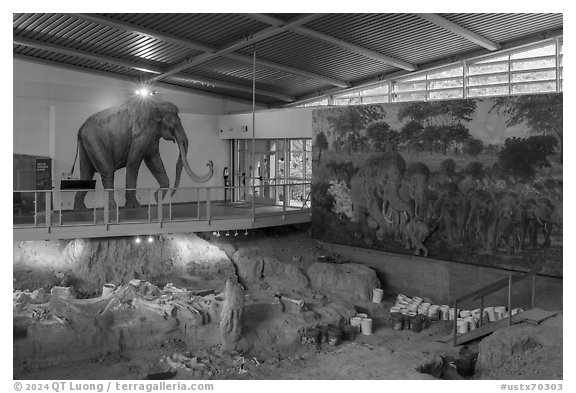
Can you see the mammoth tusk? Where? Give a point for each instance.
(191, 174)
(387, 217)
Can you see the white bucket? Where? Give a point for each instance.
(462, 325)
(499, 311)
(377, 295)
(465, 313)
(135, 282)
(491, 313)
(355, 323)
(366, 326)
(471, 322)
(107, 289)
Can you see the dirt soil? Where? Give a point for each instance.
(386, 355)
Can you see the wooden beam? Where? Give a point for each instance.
(460, 31)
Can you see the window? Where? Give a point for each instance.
(536, 68)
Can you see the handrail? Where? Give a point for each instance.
(50, 208)
(482, 292)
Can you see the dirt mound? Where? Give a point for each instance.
(349, 280)
(184, 259)
(522, 351)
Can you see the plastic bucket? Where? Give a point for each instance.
(491, 313)
(348, 332)
(107, 289)
(499, 311)
(462, 325)
(377, 295)
(355, 322)
(471, 322)
(334, 336)
(366, 326)
(135, 282)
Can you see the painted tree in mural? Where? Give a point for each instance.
(542, 113)
(348, 122)
(520, 157)
(411, 135)
(320, 143)
(441, 122)
(473, 147)
(381, 137)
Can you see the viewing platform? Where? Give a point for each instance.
(49, 214)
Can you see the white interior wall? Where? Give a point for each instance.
(51, 103)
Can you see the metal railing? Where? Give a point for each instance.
(483, 292)
(55, 208)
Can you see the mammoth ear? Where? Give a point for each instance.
(157, 114)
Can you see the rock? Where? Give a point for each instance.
(520, 348)
(349, 280)
(249, 266)
(252, 268)
(231, 317)
(294, 273)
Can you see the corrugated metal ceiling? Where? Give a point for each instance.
(295, 60)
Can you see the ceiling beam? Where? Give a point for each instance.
(460, 31)
(337, 42)
(231, 86)
(85, 55)
(247, 41)
(195, 45)
(189, 90)
(137, 66)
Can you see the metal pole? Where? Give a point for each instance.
(150, 196)
(207, 203)
(533, 300)
(481, 310)
(455, 324)
(253, 132)
(169, 205)
(117, 208)
(35, 208)
(160, 212)
(510, 300)
(94, 203)
(48, 206)
(198, 202)
(106, 207)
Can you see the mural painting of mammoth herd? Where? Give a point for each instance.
(475, 180)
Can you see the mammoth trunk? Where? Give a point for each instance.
(183, 163)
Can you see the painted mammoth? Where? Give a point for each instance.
(415, 188)
(482, 220)
(374, 190)
(450, 209)
(126, 135)
(417, 232)
(538, 215)
(510, 218)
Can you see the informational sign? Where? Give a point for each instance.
(43, 173)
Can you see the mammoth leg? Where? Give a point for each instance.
(156, 167)
(87, 172)
(132, 169)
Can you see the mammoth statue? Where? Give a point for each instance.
(126, 135)
(374, 190)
